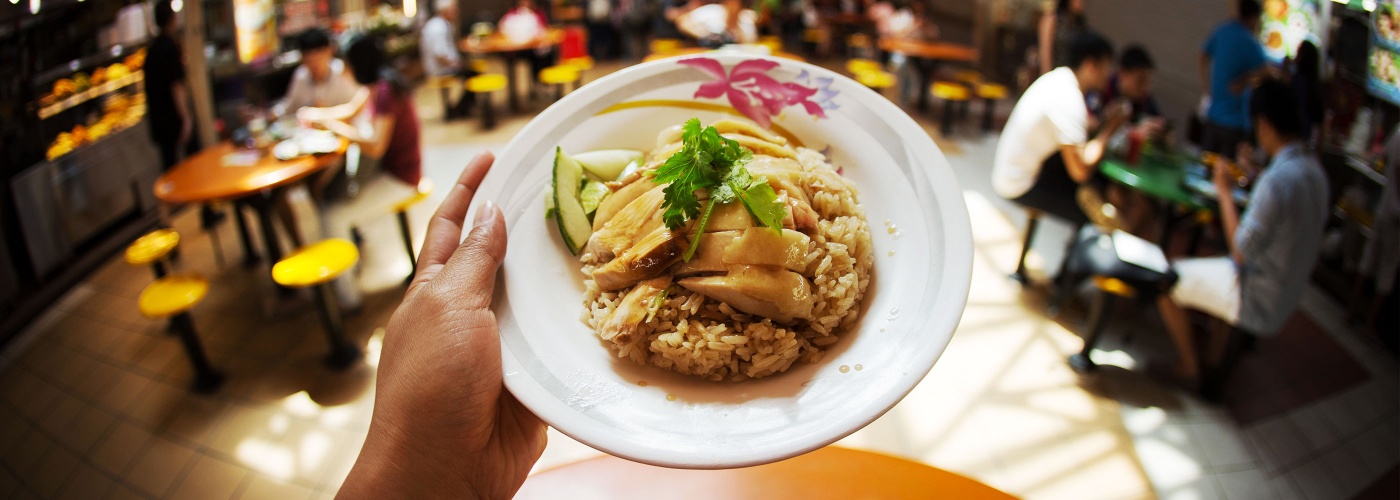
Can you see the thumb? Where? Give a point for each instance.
(470, 274)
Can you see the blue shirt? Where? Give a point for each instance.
(1234, 52)
(1278, 238)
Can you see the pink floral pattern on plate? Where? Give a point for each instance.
(757, 95)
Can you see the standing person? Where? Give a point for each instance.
(321, 80)
(438, 45)
(167, 98)
(1058, 30)
(1230, 59)
(381, 120)
(1307, 85)
(1272, 249)
(1045, 152)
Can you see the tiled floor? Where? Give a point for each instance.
(93, 399)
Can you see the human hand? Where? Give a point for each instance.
(1152, 128)
(443, 424)
(1118, 112)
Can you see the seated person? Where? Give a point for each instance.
(1133, 83)
(321, 80)
(525, 23)
(381, 120)
(438, 47)
(1045, 152)
(719, 24)
(1272, 249)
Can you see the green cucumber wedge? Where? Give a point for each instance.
(592, 195)
(573, 221)
(607, 164)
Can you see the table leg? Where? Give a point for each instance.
(512, 92)
(250, 254)
(925, 73)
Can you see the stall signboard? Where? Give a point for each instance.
(1288, 23)
(255, 29)
(1383, 74)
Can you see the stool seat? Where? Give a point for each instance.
(172, 295)
(858, 66)
(479, 65)
(665, 45)
(967, 76)
(1093, 255)
(425, 189)
(774, 43)
(949, 91)
(489, 82)
(581, 63)
(813, 35)
(993, 91)
(876, 79)
(558, 75)
(858, 41)
(443, 81)
(152, 246)
(315, 264)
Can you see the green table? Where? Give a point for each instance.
(1160, 176)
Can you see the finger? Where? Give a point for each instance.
(470, 274)
(445, 229)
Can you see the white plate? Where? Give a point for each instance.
(555, 364)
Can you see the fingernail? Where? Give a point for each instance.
(486, 214)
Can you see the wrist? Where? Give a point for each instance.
(392, 464)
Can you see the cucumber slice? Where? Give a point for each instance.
(607, 164)
(631, 167)
(573, 222)
(592, 195)
(548, 195)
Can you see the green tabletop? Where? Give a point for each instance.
(1160, 176)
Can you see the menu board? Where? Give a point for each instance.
(255, 29)
(1288, 23)
(1383, 75)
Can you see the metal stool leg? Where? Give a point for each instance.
(949, 110)
(488, 118)
(250, 254)
(343, 353)
(988, 110)
(1032, 222)
(408, 245)
(206, 378)
(1098, 318)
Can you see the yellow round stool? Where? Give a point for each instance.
(444, 85)
(990, 93)
(967, 76)
(173, 297)
(878, 80)
(559, 76)
(316, 265)
(773, 43)
(483, 85)
(478, 65)
(425, 189)
(665, 46)
(858, 66)
(152, 248)
(951, 94)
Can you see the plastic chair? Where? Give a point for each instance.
(425, 189)
(1093, 257)
(173, 297)
(951, 94)
(315, 266)
(152, 248)
(483, 85)
(559, 76)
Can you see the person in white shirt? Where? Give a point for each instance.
(1045, 151)
(437, 43)
(321, 80)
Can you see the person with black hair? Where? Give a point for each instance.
(167, 97)
(1045, 151)
(1230, 60)
(437, 46)
(380, 119)
(321, 80)
(1272, 249)
(1058, 29)
(1133, 83)
(1307, 85)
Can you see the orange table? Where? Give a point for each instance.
(509, 51)
(690, 51)
(204, 178)
(931, 52)
(830, 472)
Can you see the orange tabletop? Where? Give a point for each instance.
(497, 42)
(204, 177)
(830, 472)
(940, 51)
(690, 51)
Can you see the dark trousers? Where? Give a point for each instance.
(1222, 140)
(1054, 192)
(466, 100)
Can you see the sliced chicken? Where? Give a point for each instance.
(639, 218)
(751, 129)
(729, 217)
(709, 257)
(649, 257)
(631, 312)
(768, 292)
(669, 135)
(761, 246)
(761, 147)
(800, 215)
(620, 198)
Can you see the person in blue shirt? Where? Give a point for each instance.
(1230, 59)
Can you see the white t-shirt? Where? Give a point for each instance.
(338, 88)
(1050, 114)
(436, 42)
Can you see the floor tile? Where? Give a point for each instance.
(121, 491)
(62, 414)
(86, 482)
(1248, 484)
(87, 429)
(1315, 481)
(1222, 444)
(1283, 440)
(1205, 487)
(1313, 424)
(13, 428)
(22, 459)
(193, 419)
(263, 487)
(125, 388)
(157, 404)
(243, 426)
(210, 479)
(119, 448)
(158, 466)
(1347, 469)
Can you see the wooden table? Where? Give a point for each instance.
(933, 52)
(830, 472)
(509, 51)
(204, 178)
(690, 51)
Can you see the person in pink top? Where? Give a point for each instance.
(524, 23)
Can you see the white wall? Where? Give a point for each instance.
(1173, 32)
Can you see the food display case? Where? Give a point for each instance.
(1383, 69)
(1288, 23)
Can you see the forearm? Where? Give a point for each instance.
(388, 467)
(1229, 221)
(1096, 148)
